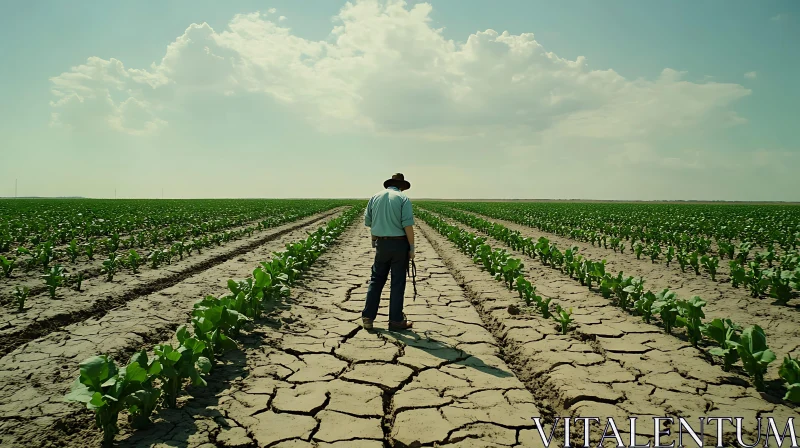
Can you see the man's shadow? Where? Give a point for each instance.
(441, 350)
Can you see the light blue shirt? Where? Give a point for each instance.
(388, 212)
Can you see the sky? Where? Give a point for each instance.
(573, 99)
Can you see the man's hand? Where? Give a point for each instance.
(411, 253)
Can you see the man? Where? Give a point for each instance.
(391, 220)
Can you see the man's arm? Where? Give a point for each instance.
(407, 221)
(368, 214)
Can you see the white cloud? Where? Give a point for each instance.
(779, 17)
(751, 75)
(385, 70)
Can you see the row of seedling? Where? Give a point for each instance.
(502, 266)
(628, 293)
(145, 382)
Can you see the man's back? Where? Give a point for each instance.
(388, 213)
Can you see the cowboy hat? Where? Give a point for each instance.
(398, 181)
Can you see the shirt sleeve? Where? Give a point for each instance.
(368, 214)
(406, 214)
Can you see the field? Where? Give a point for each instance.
(236, 323)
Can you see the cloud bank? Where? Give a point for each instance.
(386, 71)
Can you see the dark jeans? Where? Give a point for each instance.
(390, 256)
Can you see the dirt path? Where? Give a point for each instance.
(43, 315)
(35, 376)
(608, 366)
(319, 380)
(781, 323)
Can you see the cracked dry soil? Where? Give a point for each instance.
(35, 376)
(468, 375)
(43, 315)
(315, 378)
(611, 365)
(781, 323)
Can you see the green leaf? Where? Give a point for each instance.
(793, 393)
(79, 393)
(155, 368)
(96, 367)
(135, 373)
(182, 333)
(97, 401)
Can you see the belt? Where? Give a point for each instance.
(390, 237)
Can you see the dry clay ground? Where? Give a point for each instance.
(781, 323)
(43, 315)
(144, 310)
(468, 375)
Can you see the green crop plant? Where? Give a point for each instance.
(543, 250)
(726, 335)
(596, 272)
(142, 402)
(180, 248)
(683, 259)
(583, 272)
(710, 263)
(110, 266)
(769, 255)
(755, 354)
(133, 260)
(744, 252)
(556, 257)
(607, 285)
(90, 248)
(738, 273)
(73, 251)
(21, 294)
(156, 258)
(107, 390)
(638, 248)
(544, 307)
(527, 291)
(177, 365)
(644, 305)
(511, 270)
(670, 254)
(44, 254)
(633, 292)
(213, 325)
(7, 265)
(666, 306)
(141, 240)
(54, 278)
(790, 372)
(569, 260)
(725, 248)
(694, 261)
(756, 280)
(779, 284)
(564, 318)
(615, 243)
(620, 283)
(654, 252)
(690, 316)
